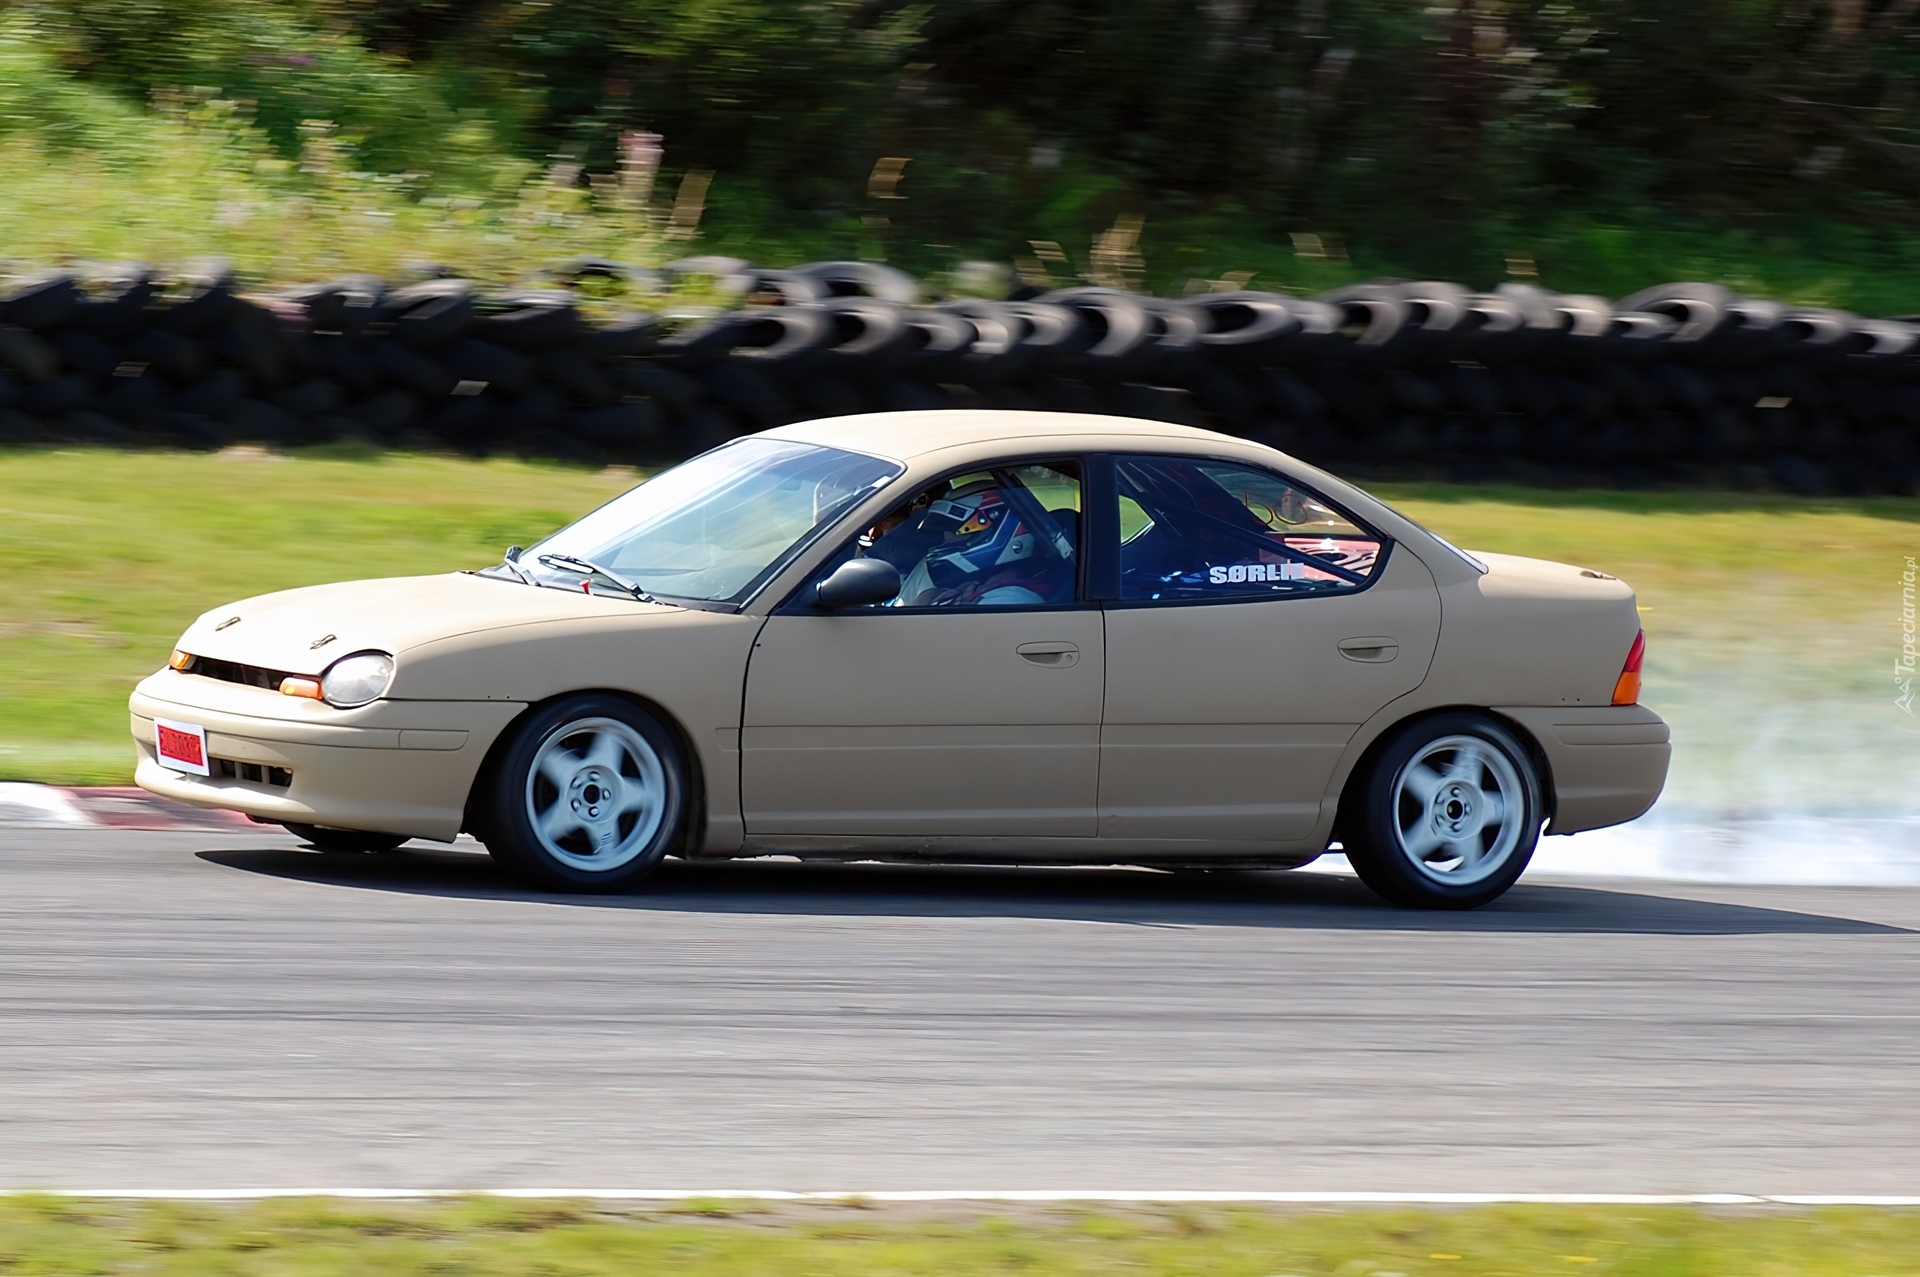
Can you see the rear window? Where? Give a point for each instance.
(1202, 529)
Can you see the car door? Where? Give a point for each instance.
(966, 707)
(1255, 628)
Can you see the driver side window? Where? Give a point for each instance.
(1005, 536)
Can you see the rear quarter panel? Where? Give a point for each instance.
(1532, 635)
(1531, 632)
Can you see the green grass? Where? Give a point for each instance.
(481, 1237)
(1770, 621)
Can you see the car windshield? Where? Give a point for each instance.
(714, 528)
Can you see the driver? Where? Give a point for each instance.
(981, 555)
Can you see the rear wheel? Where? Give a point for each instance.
(588, 796)
(1448, 816)
(345, 842)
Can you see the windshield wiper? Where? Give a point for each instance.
(511, 561)
(586, 567)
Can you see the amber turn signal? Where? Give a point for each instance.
(296, 686)
(179, 660)
(1626, 688)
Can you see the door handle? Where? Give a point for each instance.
(1053, 655)
(1374, 650)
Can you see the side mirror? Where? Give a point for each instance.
(858, 583)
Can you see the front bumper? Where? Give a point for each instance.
(1609, 762)
(396, 767)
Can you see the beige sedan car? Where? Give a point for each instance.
(982, 636)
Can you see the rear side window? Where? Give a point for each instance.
(1200, 529)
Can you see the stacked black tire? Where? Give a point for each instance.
(1685, 384)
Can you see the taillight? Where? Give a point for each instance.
(1626, 688)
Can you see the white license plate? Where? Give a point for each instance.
(181, 746)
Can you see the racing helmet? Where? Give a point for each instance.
(980, 530)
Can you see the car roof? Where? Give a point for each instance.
(904, 436)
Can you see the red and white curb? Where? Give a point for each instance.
(1014, 1195)
(25, 806)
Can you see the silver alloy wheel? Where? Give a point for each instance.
(595, 794)
(1459, 809)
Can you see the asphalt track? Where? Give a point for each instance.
(200, 1011)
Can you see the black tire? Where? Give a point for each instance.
(344, 305)
(43, 301)
(1444, 858)
(862, 279)
(761, 286)
(1636, 335)
(741, 387)
(410, 370)
(586, 381)
(641, 774)
(427, 314)
(634, 332)
(470, 359)
(1173, 340)
(28, 354)
(774, 334)
(121, 292)
(866, 331)
(1373, 318)
(1119, 328)
(936, 345)
(85, 354)
(345, 842)
(998, 331)
(1700, 311)
(210, 300)
(1249, 329)
(533, 320)
(1051, 338)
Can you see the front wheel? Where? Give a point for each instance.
(1448, 815)
(588, 795)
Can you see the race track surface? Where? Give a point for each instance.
(206, 1010)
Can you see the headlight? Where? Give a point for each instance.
(356, 680)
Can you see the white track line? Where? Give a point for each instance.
(1005, 1195)
(30, 806)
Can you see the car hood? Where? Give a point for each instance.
(303, 631)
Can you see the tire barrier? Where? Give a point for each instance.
(1682, 384)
